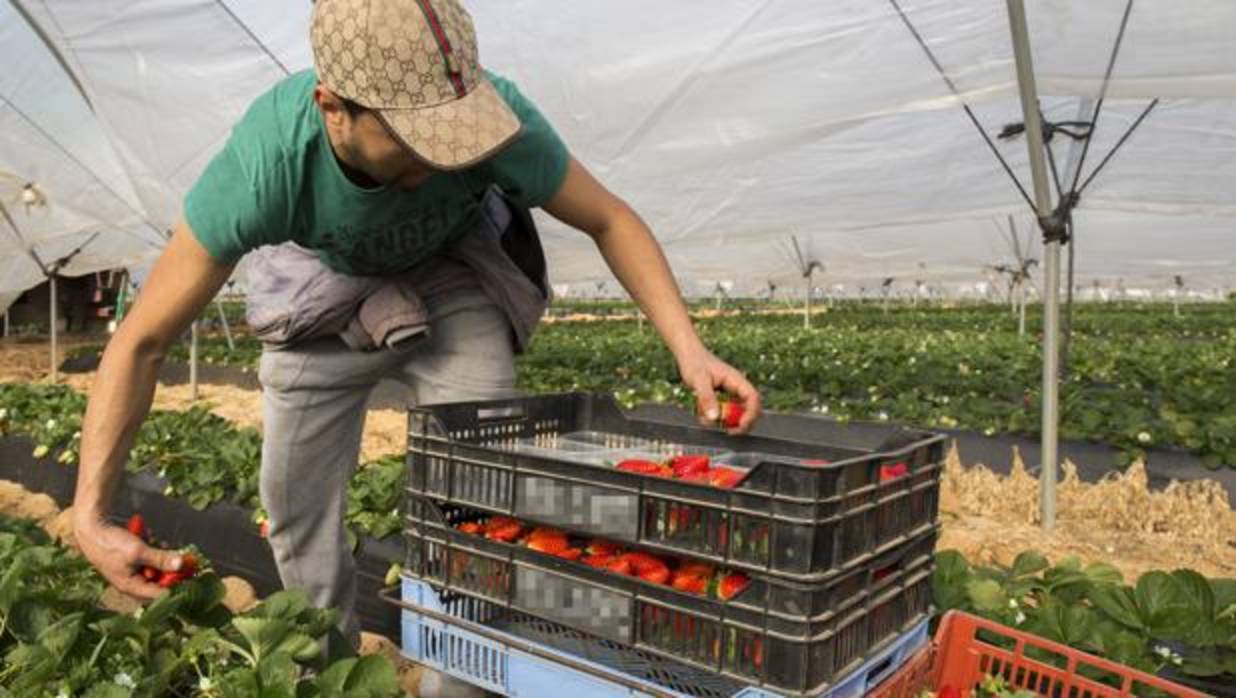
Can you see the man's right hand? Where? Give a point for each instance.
(183, 281)
(119, 556)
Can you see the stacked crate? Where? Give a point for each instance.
(836, 539)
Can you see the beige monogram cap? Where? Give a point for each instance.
(414, 63)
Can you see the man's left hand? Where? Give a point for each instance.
(705, 374)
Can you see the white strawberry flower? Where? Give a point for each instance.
(1143, 437)
(123, 679)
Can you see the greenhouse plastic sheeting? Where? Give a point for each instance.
(729, 125)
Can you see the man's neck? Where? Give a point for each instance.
(353, 173)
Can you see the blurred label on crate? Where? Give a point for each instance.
(589, 508)
(598, 611)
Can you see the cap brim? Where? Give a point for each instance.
(459, 133)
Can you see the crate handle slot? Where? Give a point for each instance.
(877, 673)
(494, 414)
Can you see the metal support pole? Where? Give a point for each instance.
(227, 331)
(807, 305)
(54, 313)
(1051, 270)
(193, 361)
(1021, 301)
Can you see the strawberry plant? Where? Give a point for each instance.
(57, 641)
(1178, 619)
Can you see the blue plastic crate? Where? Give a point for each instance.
(600, 669)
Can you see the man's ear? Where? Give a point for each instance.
(333, 111)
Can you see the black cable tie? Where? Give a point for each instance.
(1050, 128)
(1055, 225)
(1011, 130)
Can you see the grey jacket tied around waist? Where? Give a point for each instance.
(293, 297)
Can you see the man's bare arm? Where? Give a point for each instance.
(636, 259)
(184, 279)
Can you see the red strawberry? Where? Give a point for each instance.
(598, 560)
(696, 569)
(892, 472)
(188, 564)
(169, 579)
(731, 414)
(543, 532)
(692, 584)
(596, 546)
(264, 528)
(644, 467)
(730, 585)
(548, 540)
(570, 554)
(688, 464)
(619, 565)
(703, 477)
(725, 478)
(470, 527)
(503, 528)
(150, 574)
(649, 568)
(136, 526)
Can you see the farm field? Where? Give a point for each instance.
(1140, 378)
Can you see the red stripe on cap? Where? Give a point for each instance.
(444, 45)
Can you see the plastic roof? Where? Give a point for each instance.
(730, 125)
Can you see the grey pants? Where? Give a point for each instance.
(314, 397)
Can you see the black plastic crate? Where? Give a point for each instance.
(793, 636)
(789, 514)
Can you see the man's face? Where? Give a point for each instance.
(366, 145)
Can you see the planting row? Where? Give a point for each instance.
(1137, 376)
(203, 457)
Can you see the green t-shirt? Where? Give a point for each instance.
(277, 180)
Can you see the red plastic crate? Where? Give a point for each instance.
(963, 659)
(911, 679)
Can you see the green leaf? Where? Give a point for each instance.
(262, 634)
(987, 595)
(108, 690)
(372, 676)
(287, 604)
(202, 601)
(1224, 591)
(278, 674)
(1165, 606)
(30, 617)
(1118, 603)
(1205, 665)
(1029, 563)
(331, 681)
(1071, 625)
(949, 580)
(1101, 572)
(60, 636)
(157, 612)
(300, 646)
